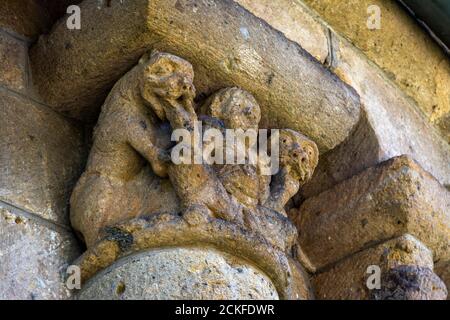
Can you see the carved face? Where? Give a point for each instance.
(298, 154)
(166, 78)
(237, 109)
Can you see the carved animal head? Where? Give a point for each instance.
(164, 78)
(237, 108)
(298, 154)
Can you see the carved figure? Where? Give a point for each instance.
(129, 160)
(130, 133)
(239, 193)
(235, 108)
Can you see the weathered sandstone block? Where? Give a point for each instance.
(295, 20)
(405, 52)
(41, 155)
(34, 257)
(382, 202)
(121, 207)
(23, 17)
(301, 284)
(180, 273)
(441, 112)
(390, 125)
(13, 57)
(227, 45)
(387, 128)
(347, 279)
(133, 134)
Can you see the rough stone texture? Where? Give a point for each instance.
(14, 59)
(227, 46)
(41, 154)
(23, 17)
(347, 279)
(442, 115)
(129, 154)
(193, 229)
(180, 273)
(442, 269)
(410, 283)
(401, 48)
(390, 126)
(360, 151)
(295, 20)
(382, 202)
(302, 288)
(34, 257)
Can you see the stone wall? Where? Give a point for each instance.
(391, 119)
(405, 53)
(41, 155)
(365, 96)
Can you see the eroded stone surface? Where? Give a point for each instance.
(41, 155)
(34, 258)
(14, 56)
(302, 288)
(388, 200)
(390, 126)
(360, 151)
(24, 17)
(180, 273)
(442, 269)
(441, 112)
(407, 54)
(347, 279)
(296, 22)
(130, 152)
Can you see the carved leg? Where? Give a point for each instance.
(198, 185)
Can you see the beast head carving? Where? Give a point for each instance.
(298, 154)
(166, 80)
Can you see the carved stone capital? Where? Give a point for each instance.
(197, 231)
